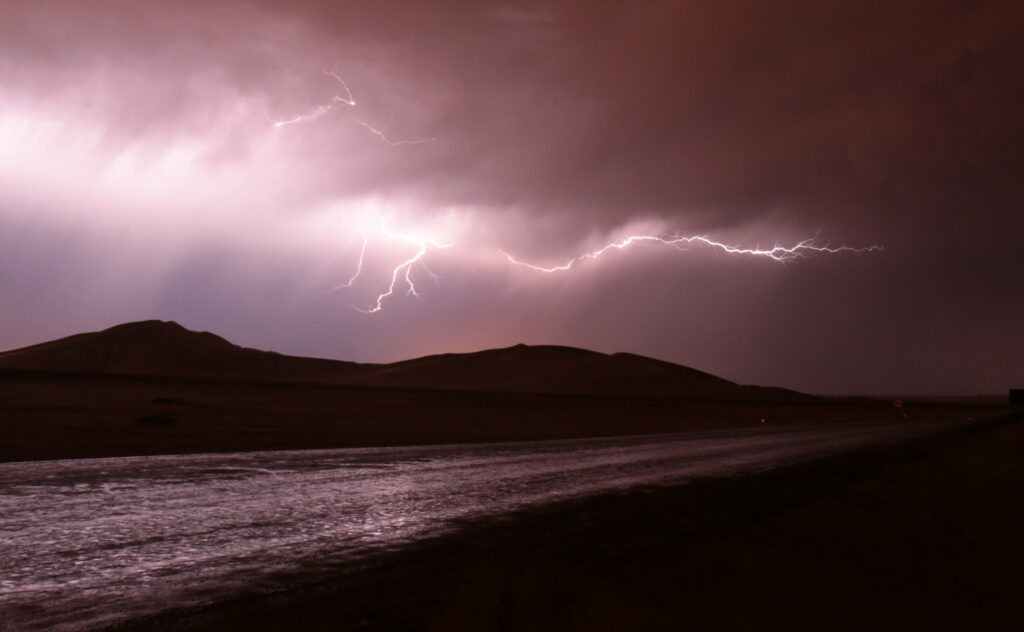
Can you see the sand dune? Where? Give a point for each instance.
(167, 348)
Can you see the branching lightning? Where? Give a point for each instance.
(347, 99)
(402, 274)
(778, 252)
(335, 102)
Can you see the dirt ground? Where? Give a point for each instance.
(55, 416)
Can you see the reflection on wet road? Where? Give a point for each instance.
(89, 542)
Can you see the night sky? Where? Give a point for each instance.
(227, 165)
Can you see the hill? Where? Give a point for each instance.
(563, 370)
(156, 347)
(168, 349)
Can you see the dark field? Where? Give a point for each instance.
(50, 415)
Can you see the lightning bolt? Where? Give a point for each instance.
(778, 252)
(348, 100)
(335, 102)
(402, 273)
(359, 267)
(394, 143)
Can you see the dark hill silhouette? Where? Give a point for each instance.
(156, 347)
(565, 370)
(167, 348)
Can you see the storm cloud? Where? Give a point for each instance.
(221, 163)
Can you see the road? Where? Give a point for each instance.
(87, 543)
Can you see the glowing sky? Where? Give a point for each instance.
(229, 165)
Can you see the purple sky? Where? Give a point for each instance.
(223, 164)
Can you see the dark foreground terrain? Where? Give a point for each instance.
(922, 535)
(54, 415)
(154, 387)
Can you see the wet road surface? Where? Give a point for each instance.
(87, 543)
